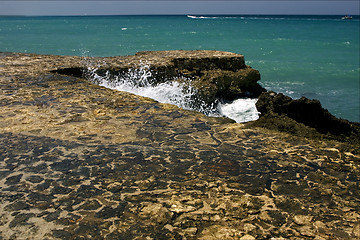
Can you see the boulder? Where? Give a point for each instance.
(304, 115)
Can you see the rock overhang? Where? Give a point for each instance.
(215, 75)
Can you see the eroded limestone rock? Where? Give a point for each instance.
(80, 161)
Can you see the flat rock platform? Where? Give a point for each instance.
(79, 161)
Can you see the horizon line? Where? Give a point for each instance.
(182, 14)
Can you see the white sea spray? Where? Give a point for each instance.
(138, 81)
(240, 110)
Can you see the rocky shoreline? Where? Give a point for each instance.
(303, 117)
(214, 75)
(80, 161)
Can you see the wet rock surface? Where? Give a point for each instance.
(79, 161)
(304, 117)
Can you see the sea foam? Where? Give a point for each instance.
(240, 110)
(137, 81)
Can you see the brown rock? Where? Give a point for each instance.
(156, 212)
(156, 171)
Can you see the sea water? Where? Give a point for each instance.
(312, 56)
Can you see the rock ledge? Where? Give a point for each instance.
(215, 75)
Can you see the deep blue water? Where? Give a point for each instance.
(312, 56)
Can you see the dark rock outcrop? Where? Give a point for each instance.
(215, 75)
(280, 112)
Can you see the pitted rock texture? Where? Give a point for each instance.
(79, 161)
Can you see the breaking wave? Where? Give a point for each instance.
(240, 110)
(138, 81)
(275, 17)
(212, 17)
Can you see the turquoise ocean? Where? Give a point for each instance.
(312, 56)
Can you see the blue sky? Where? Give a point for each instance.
(178, 7)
